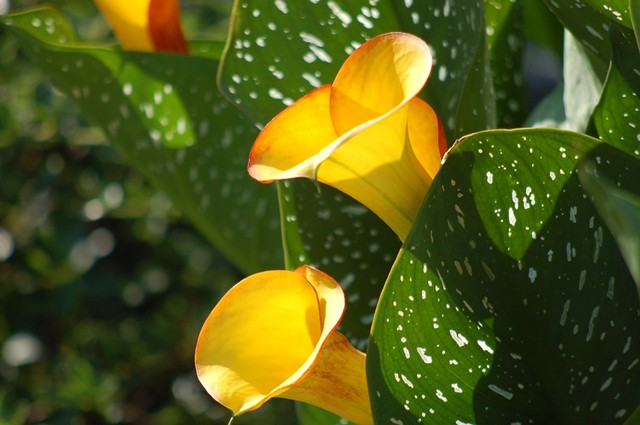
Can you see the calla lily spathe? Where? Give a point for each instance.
(274, 335)
(147, 25)
(367, 134)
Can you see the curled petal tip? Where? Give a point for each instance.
(284, 321)
(367, 134)
(164, 27)
(287, 146)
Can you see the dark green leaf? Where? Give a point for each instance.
(147, 103)
(460, 88)
(634, 419)
(510, 302)
(617, 116)
(617, 11)
(505, 38)
(626, 55)
(634, 11)
(331, 231)
(541, 26)
(621, 212)
(477, 109)
(279, 51)
(586, 23)
(589, 22)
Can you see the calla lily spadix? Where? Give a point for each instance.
(147, 25)
(274, 335)
(367, 134)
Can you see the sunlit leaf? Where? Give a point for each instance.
(582, 84)
(510, 302)
(166, 117)
(571, 104)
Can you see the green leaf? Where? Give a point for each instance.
(541, 26)
(620, 210)
(634, 419)
(505, 38)
(589, 21)
(311, 415)
(279, 51)
(617, 116)
(550, 111)
(510, 302)
(334, 233)
(617, 11)
(477, 109)
(13, 410)
(582, 84)
(460, 87)
(634, 11)
(167, 119)
(626, 55)
(571, 104)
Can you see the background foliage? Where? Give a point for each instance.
(103, 286)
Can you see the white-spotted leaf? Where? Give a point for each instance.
(620, 210)
(617, 11)
(589, 21)
(278, 51)
(617, 116)
(510, 302)
(332, 232)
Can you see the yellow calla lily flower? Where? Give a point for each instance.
(147, 25)
(274, 335)
(367, 134)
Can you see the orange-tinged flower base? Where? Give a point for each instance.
(367, 134)
(274, 335)
(146, 25)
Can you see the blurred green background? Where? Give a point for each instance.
(103, 287)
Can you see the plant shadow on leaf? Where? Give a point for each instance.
(465, 331)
